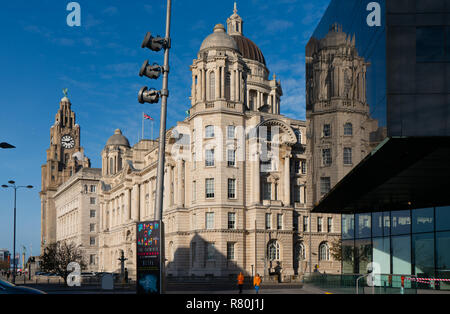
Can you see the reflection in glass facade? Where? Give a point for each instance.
(408, 242)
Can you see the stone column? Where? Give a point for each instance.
(222, 82)
(128, 204)
(217, 82)
(240, 86)
(287, 177)
(233, 85)
(256, 179)
(110, 222)
(258, 100)
(180, 187)
(193, 89)
(203, 84)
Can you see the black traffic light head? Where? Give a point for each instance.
(153, 43)
(151, 71)
(150, 96)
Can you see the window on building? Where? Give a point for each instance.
(93, 200)
(231, 220)
(296, 217)
(319, 224)
(330, 224)
(297, 166)
(92, 213)
(92, 241)
(326, 130)
(92, 227)
(432, 44)
(85, 188)
(268, 221)
(348, 129)
(93, 188)
(266, 166)
(230, 251)
(297, 194)
(279, 221)
(305, 223)
(232, 188)
(212, 86)
(267, 191)
(210, 251)
(273, 251)
(209, 158)
(304, 167)
(209, 131)
(209, 183)
(325, 185)
(326, 157)
(300, 254)
(324, 252)
(231, 132)
(91, 259)
(298, 134)
(209, 220)
(194, 161)
(228, 86)
(231, 158)
(194, 191)
(347, 156)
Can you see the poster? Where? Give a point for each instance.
(148, 257)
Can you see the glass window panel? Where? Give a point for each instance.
(443, 218)
(348, 260)
(430, 44)
(348, 226)
(382, 254)
(423, 220)
(443, 253)
(363, 255)
(377, 224)
(423, 252)
(401, 222)
(363, 225)
(386, 223)
(401, 255)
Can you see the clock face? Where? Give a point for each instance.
(67, 142)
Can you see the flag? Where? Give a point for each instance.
(146, 116)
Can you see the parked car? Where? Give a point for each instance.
(8, 288)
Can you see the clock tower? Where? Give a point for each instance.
(65, 157)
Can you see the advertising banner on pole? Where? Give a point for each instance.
(148, 237)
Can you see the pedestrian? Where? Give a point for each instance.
(257, 283)
(126, 275)
(240, 280)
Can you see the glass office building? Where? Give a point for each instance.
(405, 242)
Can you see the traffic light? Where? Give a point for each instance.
(148, 95)
(153, 72)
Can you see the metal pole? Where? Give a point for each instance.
(310, 243)
(162, 144)
(14, 244)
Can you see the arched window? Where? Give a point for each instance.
(324, 252)
(273, 251)
(298, 134)
(348, 129)
(212, 86)
(300, 253)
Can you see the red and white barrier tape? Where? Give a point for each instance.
(426, 280)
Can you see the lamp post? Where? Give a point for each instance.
(12, 184)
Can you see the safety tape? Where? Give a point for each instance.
(426, 279)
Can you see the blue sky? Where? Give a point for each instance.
(99, 64)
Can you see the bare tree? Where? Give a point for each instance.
(57, 256)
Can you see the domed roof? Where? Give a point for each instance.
(118, 139)
(249, 49)
(219, 39)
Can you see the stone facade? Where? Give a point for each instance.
(77, 214)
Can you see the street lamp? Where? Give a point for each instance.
(6, 146)
(12, 184)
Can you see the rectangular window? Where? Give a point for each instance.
(92, 213)
(431, 44)
(279, 221)
(347, 156)
(194, 191)
(330, 224)
(319, 224)
(230, 251)
(266, 166)
(268, 221)
(325, 185)
(297, 166)
(209, 131)
(231, 221)
(210, 251)
(326, 130)
(209, 220)
(297, 194)
(304, 167)
(231, 129)
(194, 161)
(231, 158)
(93, 188)
(232, 188)
(92, 241)
(93, 200)
(326, 157)
(91, 259)
(92, 227)
(209, 157)
(305, 223)
(267, 191)
(401, 222)
(209, 188)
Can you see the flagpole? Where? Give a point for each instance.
(143, 134)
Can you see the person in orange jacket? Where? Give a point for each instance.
(240, 280)
(257, 283)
